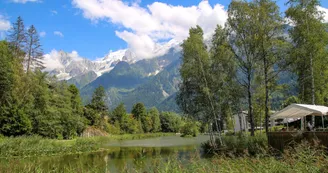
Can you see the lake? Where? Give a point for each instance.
(119, 156)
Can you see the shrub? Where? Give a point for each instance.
(190, 129)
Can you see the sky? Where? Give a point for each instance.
(93, 28)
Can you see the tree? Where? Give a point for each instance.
(76, 102)
(156, 121)
(196, 96)
(223, 72)
(269, 45)
(190, 128)
(6, 73)
(34, 50)
(242, 33)
(119, 113)
(98, 100)
(309, 37)
(139, 110)
(17, 37)
(146, 123)
(171, 122)
(13, 120)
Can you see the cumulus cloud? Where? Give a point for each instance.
(4, 24)
(43, 34)
(53, 59)
(24, 1)
(58, 33)
(144, 28)
(75, 56)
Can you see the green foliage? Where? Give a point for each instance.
(139, 110)
(14, 122)
(83, 80)
(290, 100)
(190, 128)
(156, 121)
(6, 72)
(38, 146)
(128, 123)
(98, 100)
(171, 122)
(309, 53)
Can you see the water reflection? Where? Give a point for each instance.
(116, 158)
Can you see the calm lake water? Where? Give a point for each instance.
(120, 156)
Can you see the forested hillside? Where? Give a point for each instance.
(34, 102)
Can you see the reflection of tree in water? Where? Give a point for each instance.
(114, 160)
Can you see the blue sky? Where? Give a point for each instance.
(93, 33)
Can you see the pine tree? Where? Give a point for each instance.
(6, 73)
(17, 37)
(76, 102)
(98, 100)
(33, 50)
(13, 119)
(139, 110)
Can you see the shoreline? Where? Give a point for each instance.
(31, 146)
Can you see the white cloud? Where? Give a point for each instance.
(4, 24)
(75, 56)
(58, 33)
(43, 34)
(144, 28)
(24, 1)
(325, 13)
(53, 12)
(52, 59)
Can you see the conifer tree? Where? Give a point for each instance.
(98, 101)
(17, 37)
(33, 50)
(139, 110)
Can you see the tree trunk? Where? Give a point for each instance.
(312, 87)
(29, 56)
(250, 106)
(311, 68)
(266, 83)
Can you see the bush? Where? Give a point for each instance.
(190, 129)
(276, 128)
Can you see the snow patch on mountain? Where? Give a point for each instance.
(67, 65)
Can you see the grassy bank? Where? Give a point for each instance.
(37, 146)
(241, 144)
(301, 159)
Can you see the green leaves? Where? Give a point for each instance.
(309, 54)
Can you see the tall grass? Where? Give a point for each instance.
(38, 146)
(239, 145)
(28, 146)
(303, 158)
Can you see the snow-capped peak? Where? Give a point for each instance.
(67, 65)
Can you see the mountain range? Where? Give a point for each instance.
(126, 78)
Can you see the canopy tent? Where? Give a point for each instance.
(300, 110)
